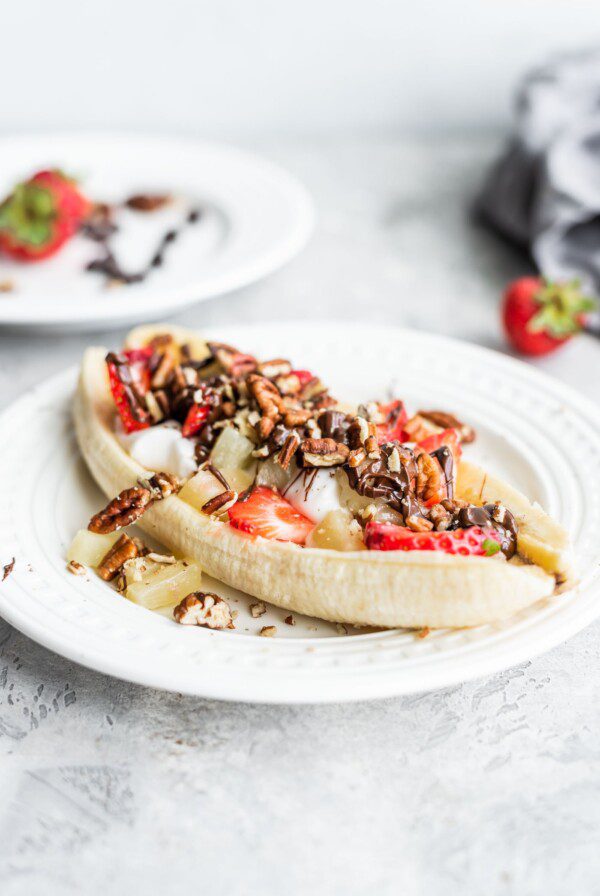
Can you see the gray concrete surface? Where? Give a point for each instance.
(491, 787)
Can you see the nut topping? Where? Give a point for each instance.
(122, 550)
(429, 477)
(290, 447)
(204, 608)
(418, 524)
(75, 568)
(323, 453)
(275, 368)
(220, 503)
(419, 428)
(128, 506)
(449, 421)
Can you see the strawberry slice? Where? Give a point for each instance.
(475, 541)
(195, 419)
(264, 512)
(129, 377)
(305, 376)
(449, 437)
(395, 418)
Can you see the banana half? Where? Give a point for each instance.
(385, 589)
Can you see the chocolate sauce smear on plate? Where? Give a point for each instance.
(100, 228)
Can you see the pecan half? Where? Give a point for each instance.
(122, 550)
(290, 447)
(203, 608)
(449, 421)
(123, 510)
(220, 503)
(429, 477)
(323, 453)
(276, 367)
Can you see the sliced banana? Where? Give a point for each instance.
(541, 539)
(387, 589)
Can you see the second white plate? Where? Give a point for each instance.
(540, 435)
(254, 218)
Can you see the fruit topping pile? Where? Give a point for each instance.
(268, 438)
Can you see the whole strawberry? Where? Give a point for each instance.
(539, 316)
(40, 215)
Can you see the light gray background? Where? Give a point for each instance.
(233, 67)
(491, 787)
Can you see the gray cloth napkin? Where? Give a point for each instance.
(544, 192)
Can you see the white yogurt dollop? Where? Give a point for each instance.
(160, 449)
(314, 494)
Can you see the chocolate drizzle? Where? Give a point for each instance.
(445, 459)
(101, 228)
(493, 515)
(374, 479)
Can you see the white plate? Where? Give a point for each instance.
(539, 434)
(255, 217)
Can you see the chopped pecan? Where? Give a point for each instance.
(372, 447)
(323, 453)
(203, 608)
(312, 389)
(154, 409)
(288, 385)
(164, 484)
(75, 568)
(276, 367)
(123, 510)
(356, 457)
(264, 428)
(163, 371)
(148, 202)
(288, 450)
(296, 416)
(122, 550)
(258, 609)
(418, 523)
(161, 341)
(429, 477)
(220, 503)
(418, 428)
(449, 421)
(8, 568)
(267, 396)
(440, 517)
(232, 361)
(268, 631)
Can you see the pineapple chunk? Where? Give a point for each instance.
(89, 548)
(200, 489)
(273, 476)
(336, 533)
(154, 585)
(232, 456)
